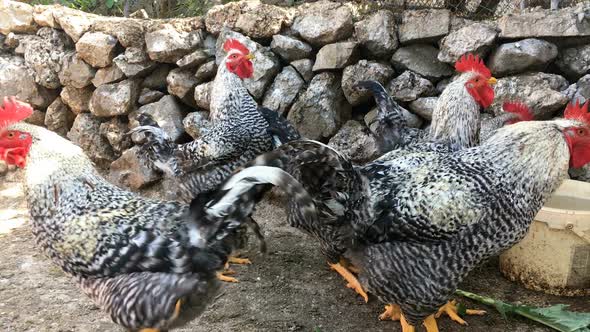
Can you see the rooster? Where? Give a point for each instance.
(456, 117)
(240, 132)
(150, 264)
(415, 223)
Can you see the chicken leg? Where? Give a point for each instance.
(223, 276)
(348, 276)
(451, 310)
(392, 312)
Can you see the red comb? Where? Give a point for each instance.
(13, 112)
(236, 45)
(577, 112)
(469, 62)
(521, 110)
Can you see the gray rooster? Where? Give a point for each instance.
(416, 222)
(150, 264)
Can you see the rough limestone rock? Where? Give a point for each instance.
(169, 45)
(37, 118)
(114, 99)
(59, 118)
(115, 131)
(410, 86)
(377, 34)
(266, 63)
(44, 54)
(540, 91)
(129, 33)
(110, 74)
(362, 71)
(424, 107)
(75, 23)
(305, 68)
(582, 89)
(97, 48)
(283, 91)
(85, 133)
(75, 72)
(544, 23)
(251, 18)
(289, 48)
(355, 141)
(135, 54)
(168, 114)
(196, 124)
(203, 95)
(130, 172)
(412, 120)
(193, 59)
(323, 23)
(422, 59)
(319, 112)
(336, 56)
(157, 79)
(77, 99)
(147, 96)
(524, 55)
(575, 61)
(16, 17)
(16, 79)
(181, 83)
(476, 38)
(43, 16)
(206, 71)
(424, 25)
(134, 69)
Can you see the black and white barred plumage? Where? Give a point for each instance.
(417, 222)
(136, 257)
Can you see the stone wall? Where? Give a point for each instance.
(89, 76)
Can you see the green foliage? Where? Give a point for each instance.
(191, 8)
(556, 317)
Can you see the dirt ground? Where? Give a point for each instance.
(291, 288)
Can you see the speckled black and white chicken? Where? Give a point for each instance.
(415, 223)
(240, 131)
(456, 118)
(150, 264)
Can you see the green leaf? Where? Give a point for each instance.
(556, 317)
(110, 3)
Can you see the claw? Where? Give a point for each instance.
(222, 276)
(451, 310)
(352, 280)
(392, 312)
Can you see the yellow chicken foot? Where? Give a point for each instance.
(430, 324)
(352, 280)
(392, 312)
(237, 260)
(349, 266)
(405, 326)
(451, 310)
(222, 276)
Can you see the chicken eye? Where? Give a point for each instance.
(10, 135)
(581, 132)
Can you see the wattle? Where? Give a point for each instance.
(483, 95)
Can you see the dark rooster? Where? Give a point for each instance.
(150, 264)
(240, 132)
(455, 120)
(415, 223)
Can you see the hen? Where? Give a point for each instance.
(456, 117)
(415, 223)
(150, 264)
(240, 131)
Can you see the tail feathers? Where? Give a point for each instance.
(145, 299)
(334, 184)
(390, 123)
(156, 150)
(279, 128)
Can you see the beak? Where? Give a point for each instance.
(250, 56)
(492, 81)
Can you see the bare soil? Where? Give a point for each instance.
(291, 288)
